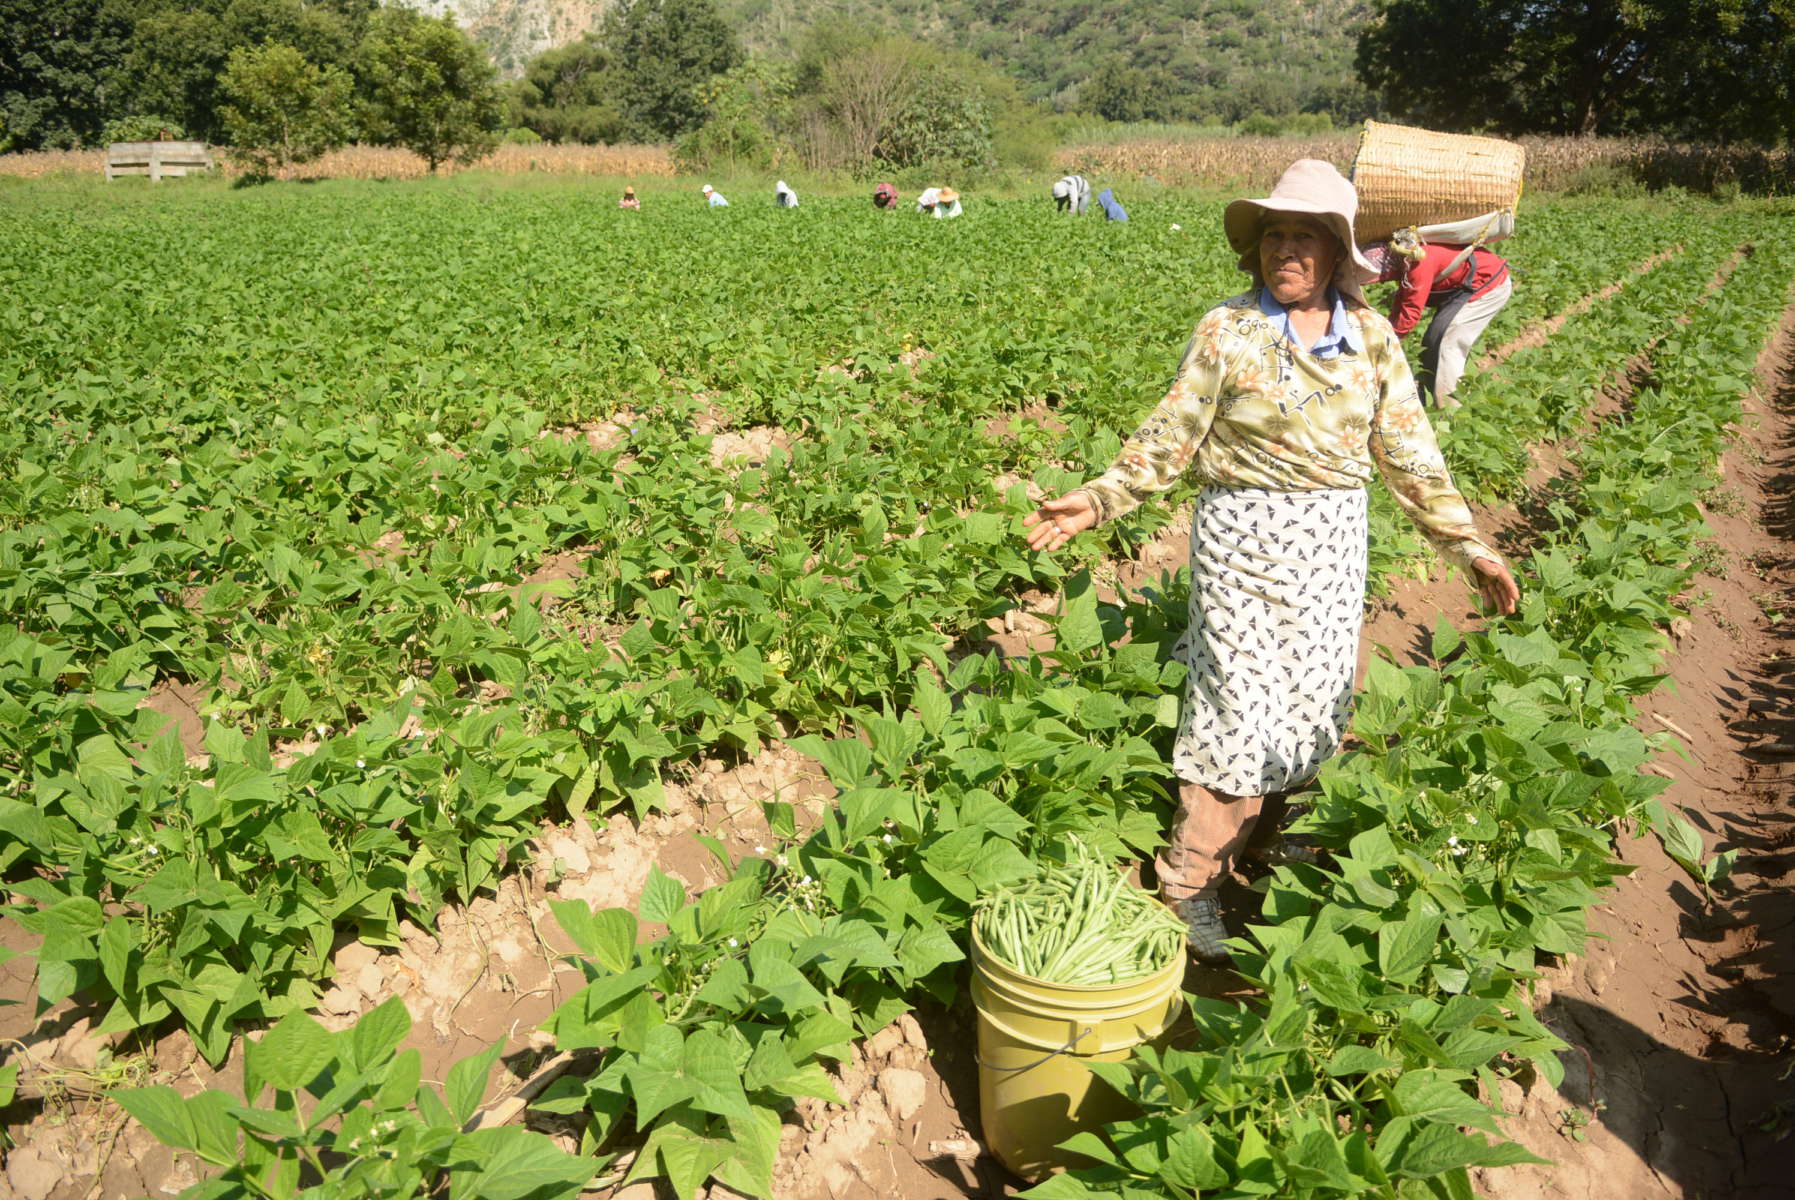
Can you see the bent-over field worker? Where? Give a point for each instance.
(1072, 194)
(939, 202)
(1466, 286)
(1289, 396)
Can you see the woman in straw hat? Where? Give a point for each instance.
(1289, 397)
(943, 202)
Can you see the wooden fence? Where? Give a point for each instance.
(156, 159)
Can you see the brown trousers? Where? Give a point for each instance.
(1210, 832)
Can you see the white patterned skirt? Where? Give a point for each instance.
(1277, 598)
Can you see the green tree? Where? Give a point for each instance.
(567, 94)
(665, 49)
(179, 52)
(281, 109)
(58, 63)
(747, 113)
(429, 88)
(947, 124)
(1694, 68)
(1119, 92)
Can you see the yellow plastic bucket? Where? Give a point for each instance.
(1034, 1039)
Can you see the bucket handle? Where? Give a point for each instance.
(1048, 1057)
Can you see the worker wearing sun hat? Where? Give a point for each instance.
(1290, 397)
(947, 203)
(713, 197)
(1313, 188)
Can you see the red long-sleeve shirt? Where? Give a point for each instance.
(1423, 279)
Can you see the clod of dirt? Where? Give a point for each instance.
(904, 1092)
(750, 447)
(343, 1000)
(636, 1191)
(31, 1173)
(599, 435)
(881, 1044)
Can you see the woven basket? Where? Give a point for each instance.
(1408, 176)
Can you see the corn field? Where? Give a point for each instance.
(1553, 163)
(388, 162)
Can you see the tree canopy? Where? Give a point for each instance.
(666, 49)
(568, 94)
(429, 88)
(57, 59)
(279, 108)
(1699, 69)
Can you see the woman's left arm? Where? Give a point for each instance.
(1407, 454)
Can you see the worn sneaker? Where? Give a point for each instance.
(1203, 928)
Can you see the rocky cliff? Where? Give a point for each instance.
(514, 31)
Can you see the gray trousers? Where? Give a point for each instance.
(1449, 337)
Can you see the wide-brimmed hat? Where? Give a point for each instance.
(947, 195)
(629, 191)
(1314, 188)
(707, 189)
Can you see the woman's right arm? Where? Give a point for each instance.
(1157, 453)
(1152, 459)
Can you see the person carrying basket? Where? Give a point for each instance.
(1466, 286)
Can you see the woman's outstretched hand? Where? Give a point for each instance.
(1497, 586)
(1053, 524)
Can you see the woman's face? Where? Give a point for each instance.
(1297, 256)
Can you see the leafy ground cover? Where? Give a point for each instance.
(452, 513)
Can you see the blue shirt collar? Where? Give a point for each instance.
(1341, 337)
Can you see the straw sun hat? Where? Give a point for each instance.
(948, 195)
(1314, 188)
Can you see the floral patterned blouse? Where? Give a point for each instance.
(1251, 408)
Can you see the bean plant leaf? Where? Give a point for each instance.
(662, 897)
(466, 1084)
(516, 1163)
(378, 1032)
(289, 1056)
(201, 1123)
(1078, 628)
(1436, 1149)
(1406, 947)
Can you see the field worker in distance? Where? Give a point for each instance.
(1072, 193)
(1290, 396)
(1465, 286)
(885, 197)
(783, 195)
(629, 199)
(947, 203)
(713, 197)
(1112, 207)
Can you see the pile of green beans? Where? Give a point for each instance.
(1079, 924)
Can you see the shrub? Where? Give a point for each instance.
(144, 128)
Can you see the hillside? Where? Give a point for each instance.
(1211, 47)
(1224, 56)
(515, 31)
